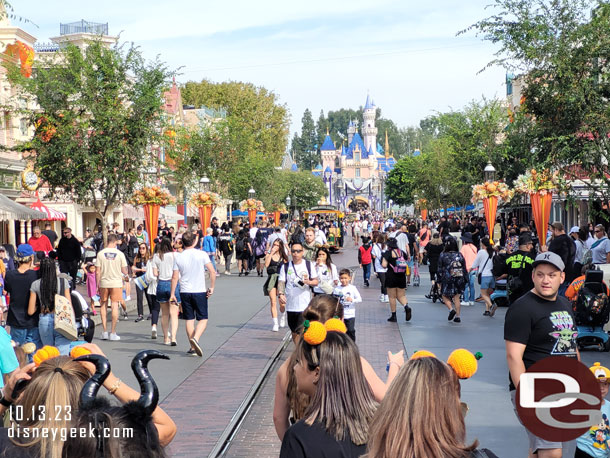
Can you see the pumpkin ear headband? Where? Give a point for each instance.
(462, 361)
(49, 352)
(315, 332)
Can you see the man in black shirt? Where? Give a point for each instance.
(563, 245)
(69, 255)
(50, 233)
(517, 269)
(540, 324)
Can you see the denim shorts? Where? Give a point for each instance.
(164, 289)
(488, 282)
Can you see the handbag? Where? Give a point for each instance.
(141, 282)
(65, 321)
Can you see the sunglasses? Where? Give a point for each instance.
(597, 231)
(296, 251)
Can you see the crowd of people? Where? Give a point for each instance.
(328, 400)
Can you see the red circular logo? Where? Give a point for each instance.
(558, 399)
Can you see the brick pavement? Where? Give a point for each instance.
(374, 336)
(204, 403)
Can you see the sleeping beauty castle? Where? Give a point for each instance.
(355, 172)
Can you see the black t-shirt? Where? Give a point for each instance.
(69, 249)
(563, 245)
(51, 235)
(546, 328)
(517, 264)
(303, 441)
(18, 284)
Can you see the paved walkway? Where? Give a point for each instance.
(374, 336)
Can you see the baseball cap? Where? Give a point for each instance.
(2, 248)
(549, 258)
(24, 250)
(600, 372)
(574, 229)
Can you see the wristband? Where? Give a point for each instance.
(5, 402)
(115, 387)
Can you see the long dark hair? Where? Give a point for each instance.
(282, 249)
(165, 247)
(450, 245)
(48, 283)
(329, 261)
(488, 247)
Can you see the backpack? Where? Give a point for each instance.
(258, 247)
(401, 264)
(456, 268)
(587, 255)
(240, 246)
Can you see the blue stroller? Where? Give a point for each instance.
(592, 312)
(500, 294)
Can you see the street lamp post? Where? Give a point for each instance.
(490, 172)
(204, 183)
(251, 193)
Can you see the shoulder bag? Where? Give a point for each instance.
(480, 274)
(65, 321)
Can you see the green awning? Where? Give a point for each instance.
(11, 210)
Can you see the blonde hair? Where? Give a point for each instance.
(343, 403)
(56, 382)
(420, 415)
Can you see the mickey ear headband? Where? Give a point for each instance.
(462, 361)
(315, 332)
(49, 352)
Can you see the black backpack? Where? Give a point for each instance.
(240, 246)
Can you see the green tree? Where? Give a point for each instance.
(307, 155)
(560, 47)
(254, 112)
(321, 127)
(99, 112)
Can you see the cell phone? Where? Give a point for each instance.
(300, 283)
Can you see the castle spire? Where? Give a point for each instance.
(386, 147)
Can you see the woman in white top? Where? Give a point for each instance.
(483, 264)
(377, 254)
(163, 269)
(327, 272)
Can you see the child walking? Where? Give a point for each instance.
(365, 259)
(92, 286)
(595, 442)
(349, 297)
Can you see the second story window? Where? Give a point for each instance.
(357, 173)
(23, 127)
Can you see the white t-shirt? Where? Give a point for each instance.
(483, 264)
(378, 253)
(349, 309)
(320, 237)
(403, 241)
(253, 231)
(165, 266)
(191, 265)
(327, 275)
(297, 296)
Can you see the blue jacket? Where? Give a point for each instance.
(209, 244)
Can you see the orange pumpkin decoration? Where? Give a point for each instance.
(335, 324)
(79, 351)
(463, 362)
(423, 354)
(46, 352)
(315, 333)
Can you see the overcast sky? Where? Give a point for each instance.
(321, 55)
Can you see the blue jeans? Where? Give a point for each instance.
(213, 261)
(366, 272)
(49, 336)
(24, 335)
(469, 291)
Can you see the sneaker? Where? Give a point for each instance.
(125, 316)
(276, 327)
(392, 318)
(457, 319)
(451, 315)
(246, 273)
(227, 272)
(486, 313)
(196, 346)
(471, 303)
(240, 274)
(283, 320)
(464, 304)
(381, 297)
(153, 333)
(174, 343)
(191, 352)
(492, 310)
(104, 336)
(114, 336)
(386, 298)
(128, 298)
(408, 313)
(139, 318)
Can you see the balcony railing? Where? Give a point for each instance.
(46, 47)
(83, 27)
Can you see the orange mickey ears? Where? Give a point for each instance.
(315, 331)
(423, 354)
(464, 363)
(46, 352)
(79, 351)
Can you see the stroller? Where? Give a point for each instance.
(500, 295)
(416, 279)
(592, 312)
(435, 290)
